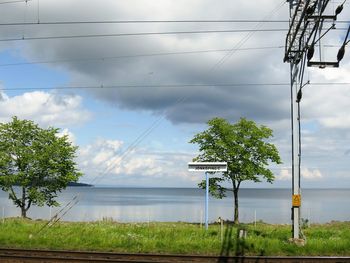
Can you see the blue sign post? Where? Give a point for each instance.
(207, 167)
(206, 200)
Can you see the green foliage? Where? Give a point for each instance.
(215, 188)
(36, 160)
(243, 146)
(304, 223)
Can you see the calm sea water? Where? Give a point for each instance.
(175, 204)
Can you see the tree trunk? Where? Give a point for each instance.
(23, 203)
(23, 212)
(236, 216)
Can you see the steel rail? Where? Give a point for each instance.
(27, 255)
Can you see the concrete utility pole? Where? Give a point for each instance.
(296, 150)
(295, 45)
(206, 200)
(305, 31)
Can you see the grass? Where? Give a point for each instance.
(175, 238)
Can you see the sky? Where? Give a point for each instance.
(132, 103)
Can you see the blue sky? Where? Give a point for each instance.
(138, 136)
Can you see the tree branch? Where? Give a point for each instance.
(28, 205)
(14, 197)
(234, 183)
(238, 184)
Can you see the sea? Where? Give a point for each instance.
(186, 205)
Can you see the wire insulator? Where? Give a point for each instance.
(341, 53)
(299, 96)
(310, 52)
(339, 9)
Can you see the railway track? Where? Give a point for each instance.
(25, 255)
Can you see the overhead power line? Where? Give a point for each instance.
(214, 85)
(24, 38)
(243, 40)
(146, 22)
(139, 22)
(15, 1)
(134, 56)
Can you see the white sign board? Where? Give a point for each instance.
(207, 167)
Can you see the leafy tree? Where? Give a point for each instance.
(242, 145)
(36, 160)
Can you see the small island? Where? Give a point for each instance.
(79, 184)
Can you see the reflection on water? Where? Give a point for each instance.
(178, 204)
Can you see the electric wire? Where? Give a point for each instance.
(213, 85)
(134, 56)
(24, 38)
(319, 39)
(299, 97)
(128, 150)
(346, 37)
(38, 11)
(137, 141)
(246, 38)
(148, 22)
(15, 1)
(59, 214)
(138, 22)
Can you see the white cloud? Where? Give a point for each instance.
(70, 135)
(311, 174)
(47, 109)
(148, 166)
(328, 104)
(109, 161)
(306, 173)
(284, 175)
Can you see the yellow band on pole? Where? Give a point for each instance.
(296, 200)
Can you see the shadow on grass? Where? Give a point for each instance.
(234, 244)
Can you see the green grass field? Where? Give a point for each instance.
(175, 238)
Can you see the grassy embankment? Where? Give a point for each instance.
(178, 238)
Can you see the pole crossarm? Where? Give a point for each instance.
(323, 64)
(306, 23)
(293, 49)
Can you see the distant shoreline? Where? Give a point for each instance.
(243, 188)
(73, 184)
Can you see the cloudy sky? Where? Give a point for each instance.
(131, 101)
